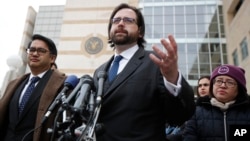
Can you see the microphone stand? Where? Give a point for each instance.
(91, 111)
(88, 134)
(71, 123)
(66, 129)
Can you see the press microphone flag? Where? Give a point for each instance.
(69, 83)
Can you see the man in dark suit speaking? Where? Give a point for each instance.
(27, 98)
(144, 89)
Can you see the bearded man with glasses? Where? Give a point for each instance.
(144, 89)
(25, 101)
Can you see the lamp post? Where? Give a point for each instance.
(14, 62)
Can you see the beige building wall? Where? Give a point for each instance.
(27, 34)
(83, 44)
(237, 28)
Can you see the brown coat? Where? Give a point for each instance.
(51, 89)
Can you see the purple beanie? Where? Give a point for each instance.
(235, 72)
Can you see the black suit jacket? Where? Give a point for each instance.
(136, 105)
(14, 126)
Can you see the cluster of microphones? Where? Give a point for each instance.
(79, 105)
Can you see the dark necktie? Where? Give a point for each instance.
(27, 93)
(114, 68)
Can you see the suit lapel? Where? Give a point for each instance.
(129, 69)
(35, 96)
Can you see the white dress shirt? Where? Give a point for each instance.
(27, 84)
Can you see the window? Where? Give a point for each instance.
(235, 58)
(244, 48)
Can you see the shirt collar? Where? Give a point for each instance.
(40, 75)
(127, 54)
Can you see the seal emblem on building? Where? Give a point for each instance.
(93, 45)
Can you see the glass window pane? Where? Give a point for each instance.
(168, 10)
(204, 57)
(190, 19)
(158, 33)
(148, 10)
(191, 28)
(158, 10)
(200, 19)
(190, 10)
(158, 20)
(148, 19)
(179, 10)
(179, 19)
(169, 29)
(181, 48)
(200, 9)
(204, 68)
(148, 31)
(169, 19)
(203, 47)
(182, 58)
(180, 28)
(191, 48)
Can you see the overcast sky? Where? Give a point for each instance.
(12, 15)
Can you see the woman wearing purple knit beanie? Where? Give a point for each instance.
(228, 108)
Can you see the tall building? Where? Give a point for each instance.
(80, 32)
(198, 28)
(237, 25)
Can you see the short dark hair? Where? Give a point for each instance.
(49, 42)
(140, 22)
(202, 77)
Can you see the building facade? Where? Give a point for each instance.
(80, 33)
(198, 28)
(237, 25)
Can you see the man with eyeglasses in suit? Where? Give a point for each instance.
(147, 90)
(25, 124)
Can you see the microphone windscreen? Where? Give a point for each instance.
(71, 81)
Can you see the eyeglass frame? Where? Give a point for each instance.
(125, 20)
(40, 51)
(219, 82)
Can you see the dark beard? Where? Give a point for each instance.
(124, 40)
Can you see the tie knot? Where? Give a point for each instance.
(34, 79)
(118, 58)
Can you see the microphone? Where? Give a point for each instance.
(87, 86)
(102, 75)
(69, 83)
(73, 93)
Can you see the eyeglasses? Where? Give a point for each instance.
(228, 83)
(39, 51)
(125, 20)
